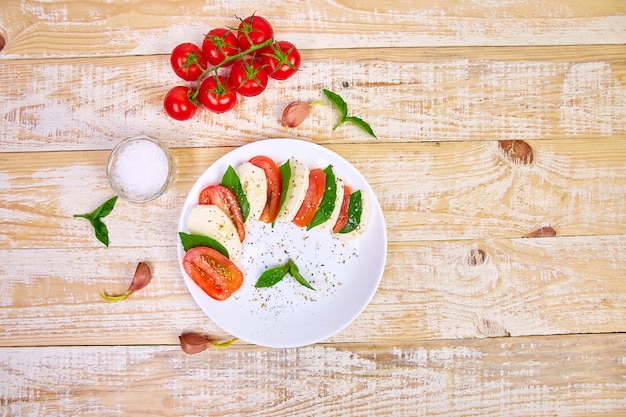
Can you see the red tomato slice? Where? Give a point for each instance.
(213, 272)
(343, 212)
(274, 187)
(226, 200)
(313, 198)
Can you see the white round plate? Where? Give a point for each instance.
(345, 275)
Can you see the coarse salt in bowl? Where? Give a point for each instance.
(140, 169)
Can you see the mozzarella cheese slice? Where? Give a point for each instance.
(254, 184)
(360, 229)
(328, 225)
(296, 191)
(209, 220)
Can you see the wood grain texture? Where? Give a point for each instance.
(538, 376)
(500, 167)
(35, 29)
(460, 94)
(430, 290)
(464, 190)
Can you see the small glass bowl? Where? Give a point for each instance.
(140, 169)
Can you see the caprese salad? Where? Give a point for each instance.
(261, 190)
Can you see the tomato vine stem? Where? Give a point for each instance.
(227, 61)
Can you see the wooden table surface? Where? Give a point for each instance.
(476, 315)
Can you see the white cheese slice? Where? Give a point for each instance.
(254, 184)
(209, 220)
(296, 191)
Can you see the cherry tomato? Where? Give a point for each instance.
(187, 61)
(218, 44)
(247, 77)
(253, 30)
(314, 194)
(217, 275)
(178, 103)
(342, 219)
(217, 95)
(274, 187)
(226, 200)
(281, 60)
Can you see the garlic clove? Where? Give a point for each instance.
(295, 113)
(192, 343)
(142, 277)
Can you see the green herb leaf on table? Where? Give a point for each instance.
(342, 106)
(231, 181)
(100, 229)
(355, 209)
(325, 209)
(190, 241)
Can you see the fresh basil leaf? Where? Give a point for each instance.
(355, 209)
(285, 174)
(100, 229)
(105, 209)
(190, 241)
(338, 102)
(231, 181)
(295, 272)
(102, 233)
(325, 209)
(360, 123)
(272, 276)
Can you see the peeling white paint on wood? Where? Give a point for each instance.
(531, 376)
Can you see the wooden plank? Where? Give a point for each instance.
(437, 94)
(430, 290)
(462, 190)
(571, 375)
(35, 29)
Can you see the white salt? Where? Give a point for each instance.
(141, 168)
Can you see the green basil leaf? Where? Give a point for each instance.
(190, 241)
(106, 208)
(355, 209)
(285, 174)
(102, 233)
(231, 181)
(272, 276)
(100, 229)
(338, 102)
(360, 123)
(325, 209)
(295, 272)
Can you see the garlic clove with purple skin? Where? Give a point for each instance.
(192, 343)
(295, 113)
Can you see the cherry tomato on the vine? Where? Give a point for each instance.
(247, 77)
(253, 30)
(218, 44)
(281, 60)
(216, 94)
(178, 103)
(187, 61)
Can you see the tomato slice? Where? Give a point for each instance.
(226, 200)
(274, 187)
(214, 273)
(314, 194)
(342, 219)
